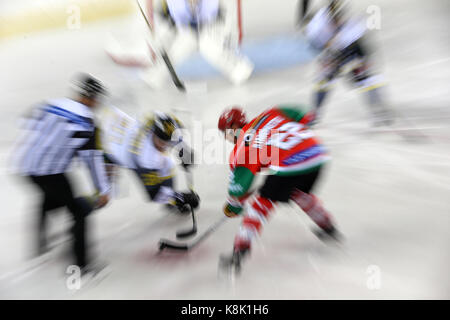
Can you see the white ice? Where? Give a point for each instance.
(389, 196)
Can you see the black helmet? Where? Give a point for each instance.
(89, 87)
(164, 126)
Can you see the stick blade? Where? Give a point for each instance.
(180, 86)
(164, 243)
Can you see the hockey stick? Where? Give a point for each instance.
(164, 243)
(164, 55)
(193, 230)
(189, 232)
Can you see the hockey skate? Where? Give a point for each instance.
(93, 273)
(232, 264)
(328, 234)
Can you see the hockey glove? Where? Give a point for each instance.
(182, 199)
(233, 208)
(97, 201)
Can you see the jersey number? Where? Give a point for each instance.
(289, 135)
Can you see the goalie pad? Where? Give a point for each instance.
(218, 48)
(136, 56)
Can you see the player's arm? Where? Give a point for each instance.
(238, 190)
(160, 189)
(92, 154)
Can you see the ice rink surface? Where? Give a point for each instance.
(389, 194)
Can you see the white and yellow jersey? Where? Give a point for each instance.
(129, 143)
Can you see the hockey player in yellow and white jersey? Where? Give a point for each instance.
(144, 148)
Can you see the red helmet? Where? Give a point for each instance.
(232, 116)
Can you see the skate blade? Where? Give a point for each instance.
(95, 276)
(336, 238)
(228, 270)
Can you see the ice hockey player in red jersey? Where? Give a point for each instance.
(280, 141)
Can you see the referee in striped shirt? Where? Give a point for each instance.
(58, 131)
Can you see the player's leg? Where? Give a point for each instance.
(254, 219)
(79, 212)
(252, 223)
(313, 207)
(41, 226)
(183, 45)
(49, 202)
(213, 47)
(310, 204)
(80, 208)
(275, 189)
(372, 89)
(369, 82)
(321, 92)
(324, 83)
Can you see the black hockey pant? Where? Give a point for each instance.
(57, 193)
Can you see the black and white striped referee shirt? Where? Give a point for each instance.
(58, 131)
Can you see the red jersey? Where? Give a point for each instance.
(278, 139)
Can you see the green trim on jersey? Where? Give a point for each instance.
(295, 111)
(296, 172)
(240, 182)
